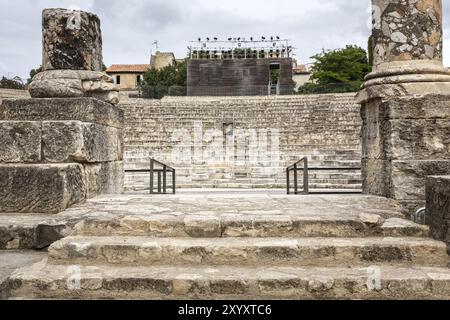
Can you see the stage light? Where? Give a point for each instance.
(229, 39)
(199, 39)
(215, 39)
(278, 38)
(264, 38)
(251, 38)
(207, 39)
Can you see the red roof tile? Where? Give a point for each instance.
(128, 68)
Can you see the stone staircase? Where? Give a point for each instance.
(325, 255)
(325, 128)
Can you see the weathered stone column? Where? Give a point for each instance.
(405, 102)
(72, 58)
(59, 152)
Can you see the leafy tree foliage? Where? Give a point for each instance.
(34, 72)
(341, 70)
(14, 83)
(168, 80)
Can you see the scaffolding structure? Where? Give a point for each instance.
(240, 48)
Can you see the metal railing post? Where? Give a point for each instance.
(295, 179)
(151, 175)
(288, 182)
(173, 181)
(164, 179)
(305, 176)
(159, 181)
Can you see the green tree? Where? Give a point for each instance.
(14, 83)
(340, 70)
(168, 80)
(34, 72)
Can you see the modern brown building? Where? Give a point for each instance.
(240, 77)
(127, 76)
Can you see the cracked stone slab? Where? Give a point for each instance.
(169, 282)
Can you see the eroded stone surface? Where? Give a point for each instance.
(20, 142)
(72, 58)
(104, 178)
(40, 188)
(404, 140)
(80, 109)
(128, 251)
(71, 40)
(438, 207)
(74, 141)
(254, 245)
(239, 215)
(407, 30)
(232, 283)
(74, 84)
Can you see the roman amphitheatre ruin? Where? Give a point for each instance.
(331, 196)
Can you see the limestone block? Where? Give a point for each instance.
(80, 109)
(376, 177)
(409, 177)
(47, 233)
(41, 188)
(427, 106)
(402, 129)
(71, 40)
(20, 141)
(75, 141)
(417, 139)
(108, 96)
(104, 178)
(74, 83)
(373, 139)
(438, 207)
(83, 75)
(56, 88)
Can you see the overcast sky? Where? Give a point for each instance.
(131, 26)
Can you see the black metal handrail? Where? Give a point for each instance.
(161, 177)
(295, 167)
(306, 190)
(162, 189)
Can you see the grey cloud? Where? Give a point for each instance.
(129, 27)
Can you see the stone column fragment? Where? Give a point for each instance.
(405, 102)
(407, 42)
(72, 58)
(71, 40)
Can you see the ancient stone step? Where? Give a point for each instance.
(250, 225)
(42, 281)
(29, 231)
(351, 252)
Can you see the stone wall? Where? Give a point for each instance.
(405, 140)
(58, 152)
(274, 133)
(438, 207)
(405, 102)
(13, 94)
